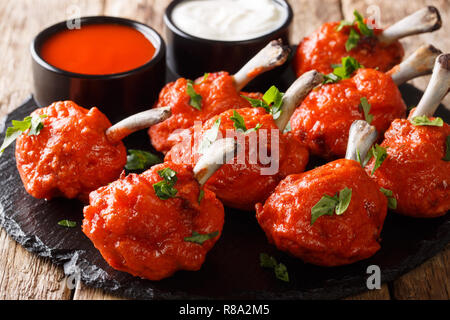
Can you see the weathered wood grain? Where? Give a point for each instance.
(382, 294)
(429, 281)
(24, 275)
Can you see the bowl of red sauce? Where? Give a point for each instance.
(115, 64)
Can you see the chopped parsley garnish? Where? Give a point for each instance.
(201, 195)
(165, 188)
(392, 202)
(34, 124)
(447, 149)
(363, 27)
(328, 205)
(343, 71)
(280, 269)
(354, 37)
(380, 154)
(271, 102)
(210, 136)
(200, 238)
(425, 121)
(205, 76)
(67, 223)
(365, 106)
(239, 123)
(196, 99)
(141, 160)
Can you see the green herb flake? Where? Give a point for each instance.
(205, 76)
(201, 195)
(165, 189)
(196, 99)
(331, 78)
(362, 26)
(270, 262)
(447, 149)
(354, 37)
(67, 223)
(365, 106)
(425, 121)
(345, 196)
(210, 136)
(343, 24)
(352, 41)
(141, 160)
(256, 128)
(272, 102)
(328, 205)
(201, 238)
(238, 121)
(34, 124)
(392, 202)
(380, 154)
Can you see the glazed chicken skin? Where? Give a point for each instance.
(332, 215)
(326, 46)
(71, 156)
(218, 94)
(241, 185)
(414, 169)
(331, 240)
(138, 232)
(323, 120)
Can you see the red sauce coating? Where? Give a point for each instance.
(324, 118)
(141, 234)
(241, 186)
(218, 95)
(414, 170)
(71, 156)
(98, 49)
(332, 240)
(326, 46)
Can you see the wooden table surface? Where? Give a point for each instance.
(24, 275)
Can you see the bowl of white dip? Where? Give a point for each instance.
(222, 35)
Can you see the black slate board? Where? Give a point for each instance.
(232, 267)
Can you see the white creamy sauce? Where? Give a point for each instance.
(228, 20)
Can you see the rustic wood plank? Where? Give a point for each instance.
(392, 11)
(431, 280)
(382, 294)
(24, 275)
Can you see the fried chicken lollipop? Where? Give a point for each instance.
(331, 215)
(416, 168)
(161, 221)
(65, 150)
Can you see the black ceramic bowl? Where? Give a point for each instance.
(189, 56)
(117, 95)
